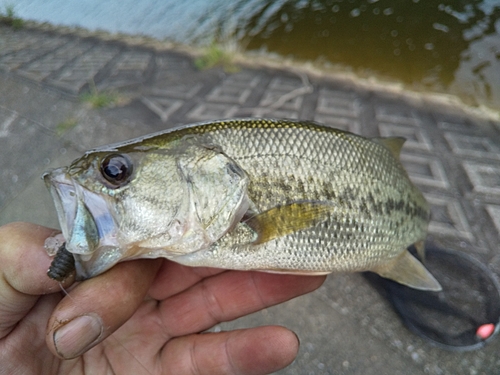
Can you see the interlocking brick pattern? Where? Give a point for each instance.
(84, 68)
(52, 62)
(452, 156)
(129, 68)
(15, 54)
(339, 109)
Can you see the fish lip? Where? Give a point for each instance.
(63, 192)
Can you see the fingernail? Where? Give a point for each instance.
(75, 337)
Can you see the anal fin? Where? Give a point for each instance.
(407, 270)
(420, 247)
(294, 272)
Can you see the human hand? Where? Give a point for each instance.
(155, 308)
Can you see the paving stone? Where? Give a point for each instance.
(338, 103)
(484, 177)
(171, 64)
(416, 138)
(7, 118)
(396, 114)
(211, 111)
(83, 70)
(19, 57)
(228, 93)
(234, 89)
(25, 146)
(173, 70)
(13, 42)
(494, 212)
(338, 109)
(52, 62)
(36, 102)
(275, 113)
(163, 107)
(129, 68)
(178, 91)
(448, 218)
(427, 171)
(480, 147)
(280, 93)
(456, 126)
(32, 202)
(244, 79)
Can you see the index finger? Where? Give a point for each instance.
(23, 274)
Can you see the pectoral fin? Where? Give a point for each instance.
(407, 270)
(282, 220)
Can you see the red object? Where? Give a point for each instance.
(485, 331)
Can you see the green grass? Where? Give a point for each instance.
(100, 99)
(8, 17)
(64, 126)
(215, 55)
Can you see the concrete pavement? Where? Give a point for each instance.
(345, 327)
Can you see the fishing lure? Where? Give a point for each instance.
(62, 265)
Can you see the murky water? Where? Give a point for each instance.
(450, 46)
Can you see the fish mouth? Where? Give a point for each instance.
(63, 194)
(87, 222)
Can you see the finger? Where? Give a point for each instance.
(228, 296)
(173, 278)
(97, 307)
(23, 351)
(260, 350)
(24, 271)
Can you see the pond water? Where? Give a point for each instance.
(450, 46)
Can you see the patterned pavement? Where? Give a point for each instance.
(345, 328)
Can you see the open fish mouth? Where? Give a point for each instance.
(87, 221)
(62, 190)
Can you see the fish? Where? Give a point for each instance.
(269, 195)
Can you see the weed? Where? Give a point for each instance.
(66, 125)
(98, 99)
(9, 18)
(216, 55)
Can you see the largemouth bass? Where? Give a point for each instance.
(267, 195)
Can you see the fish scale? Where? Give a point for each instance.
(345, 158)
(304, 198)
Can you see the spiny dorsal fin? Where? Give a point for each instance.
(282, 220)
(407, 270)
(393, 144)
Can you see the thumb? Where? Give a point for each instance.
(95, 308)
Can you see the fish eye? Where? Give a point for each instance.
(116, 169)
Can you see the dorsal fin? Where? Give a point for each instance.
(407, 270)
(282, 220)
(393, 144)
